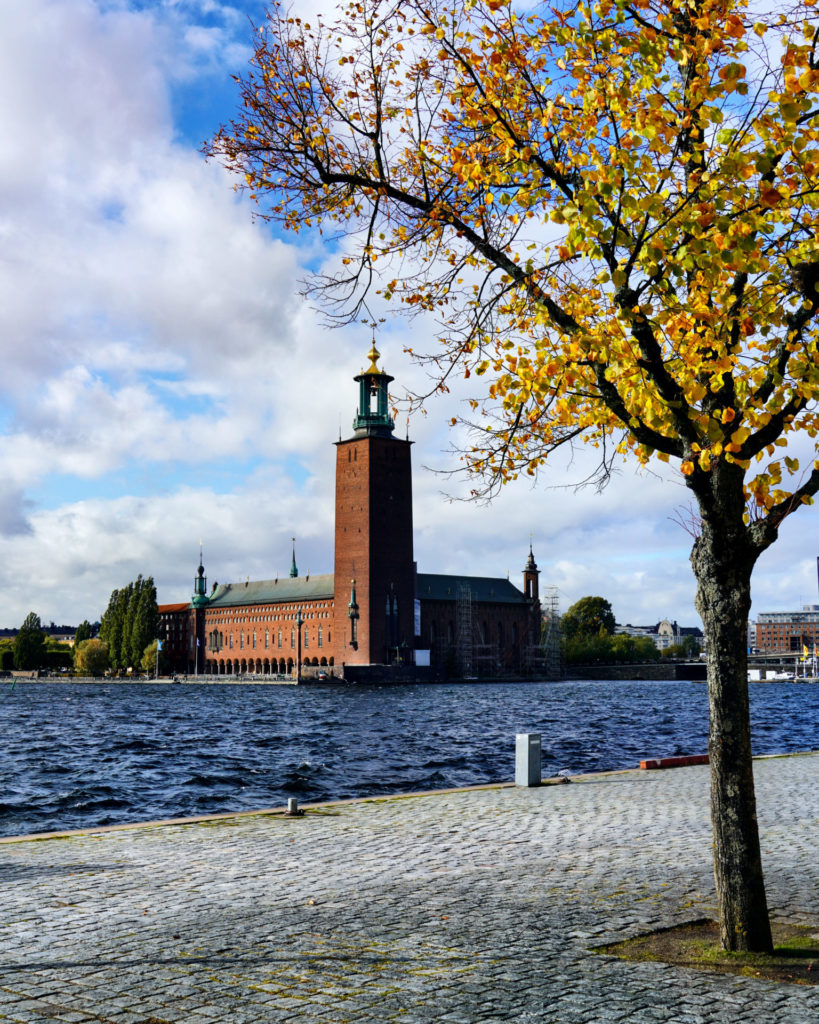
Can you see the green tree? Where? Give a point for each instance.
(144, 619)
(30, 643)
(112, 624)
(613, 209)
(91, 657)
(149, 660)
(589, 616)
(130, 622)
(645, 649)
(83, 632)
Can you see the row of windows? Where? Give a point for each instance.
(216, 639)
(261, 618)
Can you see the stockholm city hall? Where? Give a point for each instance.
(375, 616)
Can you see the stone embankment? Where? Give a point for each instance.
(470, 907)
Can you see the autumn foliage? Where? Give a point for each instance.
(613, 209)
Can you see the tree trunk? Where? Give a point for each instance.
(723, 559)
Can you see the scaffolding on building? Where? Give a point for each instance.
(550, 636)
(463, 629)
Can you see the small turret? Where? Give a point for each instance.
(200, 584)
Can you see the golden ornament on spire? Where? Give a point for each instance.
(373, 355)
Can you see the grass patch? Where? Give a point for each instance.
(696, 945)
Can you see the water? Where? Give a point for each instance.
(80, 755)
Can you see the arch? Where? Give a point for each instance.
(266, 666)
(290, 664)
(259, 665)
(332, 661)
(244, 666)
(282, 666)
(323, 661)
(221, 666)
(314, 662)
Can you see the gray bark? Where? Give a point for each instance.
(723, 558)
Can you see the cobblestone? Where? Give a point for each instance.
(471, 907)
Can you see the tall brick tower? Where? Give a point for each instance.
(374, 571)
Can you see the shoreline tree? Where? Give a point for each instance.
(612, 210)
(91, 657)
(30, 643)
(589, 615)
(130, 623)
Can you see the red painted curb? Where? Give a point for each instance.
(673, 762)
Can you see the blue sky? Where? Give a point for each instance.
(165, 383)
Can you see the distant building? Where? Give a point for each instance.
(375, 609)
(788, 632)
(665, 634)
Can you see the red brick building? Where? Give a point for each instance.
(788, 632)
(374, 609)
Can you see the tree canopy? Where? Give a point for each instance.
(588, 617)
(91, 657)
(611, 210)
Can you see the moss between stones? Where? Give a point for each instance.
(696, 945)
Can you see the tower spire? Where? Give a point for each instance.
(294, 571)
(530, 575)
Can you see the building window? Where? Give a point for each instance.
(292, 638)
(230, 645)
(320, 636)
(280, 638)
(241, 641)
(254, 639)
(306, 638)
(266, 639)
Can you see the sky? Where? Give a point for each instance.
(165, 383)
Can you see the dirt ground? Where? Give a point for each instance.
(696, 945)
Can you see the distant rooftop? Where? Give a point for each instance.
(433, 587)
(297, 588)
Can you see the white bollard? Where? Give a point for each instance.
(527, 759)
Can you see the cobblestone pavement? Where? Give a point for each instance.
(470, 907)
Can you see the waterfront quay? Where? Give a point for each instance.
(470, 906)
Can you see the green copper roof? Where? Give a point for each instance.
(489, 589)
(300, 588)
(431, 587)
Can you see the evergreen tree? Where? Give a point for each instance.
(29, 644)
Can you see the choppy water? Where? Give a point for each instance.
(77, 755)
